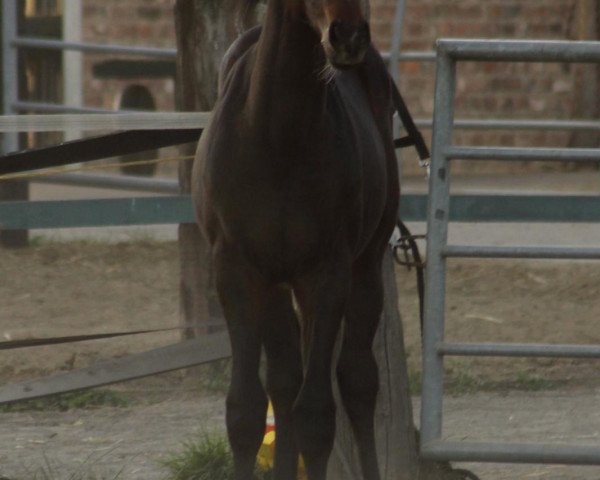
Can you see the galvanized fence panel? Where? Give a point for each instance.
(440, 213)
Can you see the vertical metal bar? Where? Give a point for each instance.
(393, 64)
(437, 235)
(396, 43)
(72, 61)
(13, 190)
(10, 73)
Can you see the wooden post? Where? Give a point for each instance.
(205, 29)
(14, 190)
(10, 11)
(395, 431)
(585, 99)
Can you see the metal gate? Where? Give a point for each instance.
(440, 211)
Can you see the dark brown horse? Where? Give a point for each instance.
(296, 188)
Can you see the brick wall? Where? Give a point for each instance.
(127, 22)
(484, 90)
(494, 90)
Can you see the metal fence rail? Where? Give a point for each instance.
(12, 43)
(439, 213)
(47, 44)
(178, 209)
(101, 121)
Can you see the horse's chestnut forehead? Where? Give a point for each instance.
(348, 11)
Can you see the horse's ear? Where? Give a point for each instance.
(249, 13)
(261, 8)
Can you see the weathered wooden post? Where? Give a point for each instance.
(10, 13)
(205, 29)
(587, 77)
(395, 431)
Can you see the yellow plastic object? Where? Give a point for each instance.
(266, 453)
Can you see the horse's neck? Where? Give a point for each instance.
(285, 86)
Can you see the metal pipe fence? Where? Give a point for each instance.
(449, 53)
(10, 81)
(47, 44)
(43, 107)
(510, 124)
(101, 121)
(119, 182)
(12, 43)
(519, 350)
(439, 214)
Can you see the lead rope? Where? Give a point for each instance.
(405, 245)
(38, 342)
(403, 249)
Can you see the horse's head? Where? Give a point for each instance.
(343, 27)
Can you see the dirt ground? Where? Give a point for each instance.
(83, 287)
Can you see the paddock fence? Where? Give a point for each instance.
(12, 43)
(440, 213)
(169, 209)
(439, 208)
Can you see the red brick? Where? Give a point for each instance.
(486, 90)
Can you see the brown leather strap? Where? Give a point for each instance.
(413, 137)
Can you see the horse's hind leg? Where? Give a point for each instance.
(284, 377)
(242, 294)
(322, 298)
(357, 370)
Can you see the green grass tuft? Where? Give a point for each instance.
(414, 381)
(215, 376)
(531, 382)
(207, 458)
(461, 383)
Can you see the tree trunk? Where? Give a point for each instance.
(587, 77)
(395, 431)
(14, 190)
(205, 29)
(396, 435)
(11, 191)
